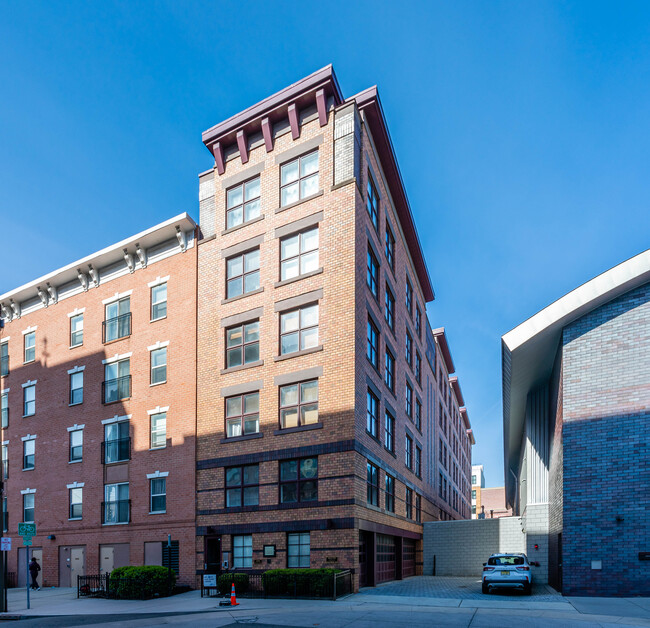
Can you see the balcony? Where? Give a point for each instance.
(4, 365)
(118, 450)
(116, 512)
(116, 389)
(116, 328)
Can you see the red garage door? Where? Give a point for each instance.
(408, 557)
(386, 558)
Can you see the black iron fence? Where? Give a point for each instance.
(116, 450)
(140, 588)
(313, 583)
(118, 511)
(116, 389)
(93, 586)
(117, 327)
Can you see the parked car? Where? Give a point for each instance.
(510, 571)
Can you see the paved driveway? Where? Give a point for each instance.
(457, 589)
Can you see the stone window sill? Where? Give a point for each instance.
(242, 367)
(284, 282)
(300, 428)
(236, 439)
(241, 296)
(244, 224)
(296, 354)
(300, 202)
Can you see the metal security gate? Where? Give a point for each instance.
(386, 558)
(408, 558)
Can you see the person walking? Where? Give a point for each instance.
(34, 568)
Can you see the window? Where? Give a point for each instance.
(474, 494)
(243, 414)
(299, 254)
(409, 503)
(117, 381)
(116, 506)
(418, 508)
(242, 551)
(158, 494)
(298, 550)
(390, 493)
(158, 425)
(473, 509)
(372, 351)
(299, 404)
(299, 178)
(4, 359)
(243, 274)
(418, 368)
(117, 443)
(29, 451)
(76, 503)
(76, 330)
(243, 203)
(408, 451)
(28, 508)
(474, 479)
(117, 323)
(76, 445)
(389, 432)
(372, 410)
(409, 401)
(4, 409)
(389, 308)
(418, 321)
(159, 302)
(5, 515)
(373, 484)
(242, 486)
(409, 297)
(372, 274)
(390, 246)
(418, 414)
(299, 329)
(30, 346)
(29, 400)
(372, 202)
(242, 344)
(440, 484)
(5, 461)
(409, 349)
(159, 366)
(298, 480)
(76, 388)
(418, 461)
(389, 373)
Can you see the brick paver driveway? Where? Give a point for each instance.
(456, 588)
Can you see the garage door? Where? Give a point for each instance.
(408, 558)
(386, 558)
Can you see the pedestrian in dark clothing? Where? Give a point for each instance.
(34, 568)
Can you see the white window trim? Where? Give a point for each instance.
(117, 419)
(31, 382)
(4, 391)
(76, 369)
(75, 485)
(158, 281)
(158, 410)
(76, 427)
(76, 312)
(28, 491)
(6, 339)
(117, 358)
(117, 296)
(5, 442)
(29, 437)
(29, 330)
(157, 474)
(158, 345)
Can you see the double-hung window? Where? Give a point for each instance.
(117, 442)
(389, 308)
(418, 508)
(242, 486)
(243, 273)
(29, 454)
(242, 344)
(372, 350)
(372, 484)
(242, 551)
(372, 202)
(299, 178)
(298, 547)
(117, 381)
(389, 432)
(389, 372)
(75, 496)
(29, 400)
(28, 508)
(299, 329)
(409, 297)
(4, 359)
(409, 503)
(299, 404)
(117, 323)
(158, 430)
(4, 409)
(76, 388)
(243, 414)
(243, 203)
(298, 480)
(418, 461)
(159, 366)
(418, 368)
(5, 462)
(418, 321)
(158, 301)
(372, 273)
(116, 507)
(299, 254)
(409, 349)
(408, 452)
(76, 445)
(390, 493)
(157, 495)
(409, 401)
(372, 414)
(390, 246)
(76, 330)
(418, 414)
(30, 346)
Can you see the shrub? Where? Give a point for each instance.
(299, 582)
(148, 581)
(224, 583)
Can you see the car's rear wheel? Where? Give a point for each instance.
(485, 588)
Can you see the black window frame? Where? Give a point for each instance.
(372, 414)
(408, 452)
(241, 487)
(408, 394)
(372, 272)
(372, 484)
(389, 432)
(372, 343)
(298, 481)
(389, 250)
(408, 501)
(372, 202)
(389, 370)
(389, 493)
(389, 308)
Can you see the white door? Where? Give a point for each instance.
(106, 558)
(77, 563)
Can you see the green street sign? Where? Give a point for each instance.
(27, 529)
(27, 540)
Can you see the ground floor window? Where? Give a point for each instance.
(242, 551)
(298, 550)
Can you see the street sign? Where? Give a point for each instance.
(27, 540)
(5, 544)
(209, 580)
(27, 529)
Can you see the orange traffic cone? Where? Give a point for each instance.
(233, 597)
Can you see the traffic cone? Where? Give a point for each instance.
(233, 597)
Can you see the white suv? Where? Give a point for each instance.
(507, 571)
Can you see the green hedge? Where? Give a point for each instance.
(224, 583)
(299, 582)
(134, 583)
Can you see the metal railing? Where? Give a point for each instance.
(116, 512)
(5, 417)
(108, 586)
(93, 586)
(116, 389)
(116, 328)
(117, 450)
(4, 365)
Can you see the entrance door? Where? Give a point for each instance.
(72, 563)
(408, 558)
(113, 556)
(213, 554)
(37, 553)
(386, 558)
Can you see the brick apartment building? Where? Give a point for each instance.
(478, 484)
(328, 426)
(97, 387)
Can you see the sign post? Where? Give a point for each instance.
(27, 531)
(5, 546)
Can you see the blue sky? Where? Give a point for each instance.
(521, 128)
